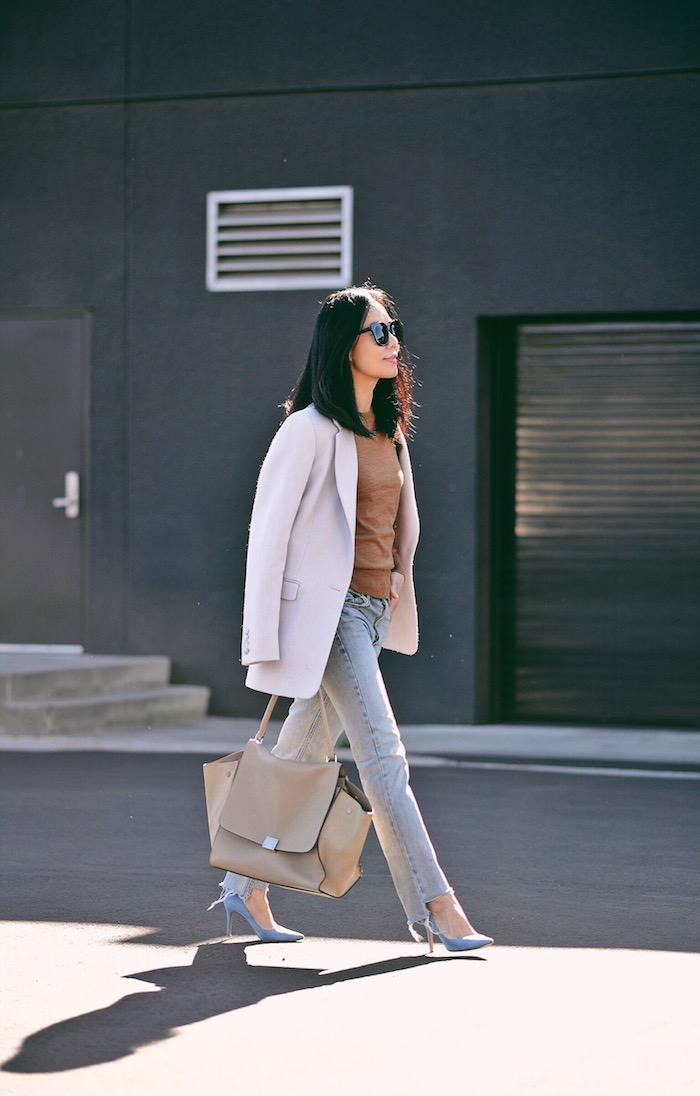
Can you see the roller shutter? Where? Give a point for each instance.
(607, 524)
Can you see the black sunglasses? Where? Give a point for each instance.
(382, 331)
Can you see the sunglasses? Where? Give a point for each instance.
(382, 331)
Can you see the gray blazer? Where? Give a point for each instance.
(301, 551)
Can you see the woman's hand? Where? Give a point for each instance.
(397, 580)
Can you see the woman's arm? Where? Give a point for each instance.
(281, 484)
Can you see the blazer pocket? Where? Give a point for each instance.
(290, 589)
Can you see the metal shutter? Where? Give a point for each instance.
(607, 524)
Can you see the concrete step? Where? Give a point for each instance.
(173, 705)
(23, 677)
(45, 694)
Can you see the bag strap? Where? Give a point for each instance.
(324, 719)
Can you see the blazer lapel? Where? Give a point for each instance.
(346, 474)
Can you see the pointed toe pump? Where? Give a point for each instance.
(233, 903)
(460, 943)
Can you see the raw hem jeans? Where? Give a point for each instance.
(357, 702)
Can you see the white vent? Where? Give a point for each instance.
(299, 238)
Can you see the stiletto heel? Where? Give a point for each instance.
(460, 943)
(233, 903)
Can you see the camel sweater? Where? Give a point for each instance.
(379, 483)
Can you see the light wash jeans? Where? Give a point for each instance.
(357, 702)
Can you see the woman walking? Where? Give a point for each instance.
(329, 582)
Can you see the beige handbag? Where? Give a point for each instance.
(296, 824)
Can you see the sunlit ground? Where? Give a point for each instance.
(340, 1016)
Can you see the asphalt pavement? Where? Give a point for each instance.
(578, 854)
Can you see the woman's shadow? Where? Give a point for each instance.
(218, 981)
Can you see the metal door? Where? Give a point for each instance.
(43, 425)
(598, 609)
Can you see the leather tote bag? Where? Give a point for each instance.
(296, 824)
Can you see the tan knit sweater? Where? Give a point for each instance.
(379, 483)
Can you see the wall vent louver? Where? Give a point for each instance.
(298, 238)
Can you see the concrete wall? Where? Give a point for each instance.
(528, 158)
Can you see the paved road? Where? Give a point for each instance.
(588, 883)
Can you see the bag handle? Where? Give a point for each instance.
(271, 707)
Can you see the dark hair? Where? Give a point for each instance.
(327, 377)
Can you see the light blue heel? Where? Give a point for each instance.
(460, 943)
(233, 903)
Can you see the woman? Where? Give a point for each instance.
(329, 582)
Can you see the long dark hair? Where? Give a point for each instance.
(327, 377)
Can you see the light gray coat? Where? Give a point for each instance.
(301, 551)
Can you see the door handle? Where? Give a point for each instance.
(71, 501)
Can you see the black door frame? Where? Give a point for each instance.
(496, 594)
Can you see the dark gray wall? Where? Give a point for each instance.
(549, 164)
(58, 50)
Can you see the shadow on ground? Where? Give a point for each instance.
(218, 981)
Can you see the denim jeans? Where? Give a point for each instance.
(357, 702)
